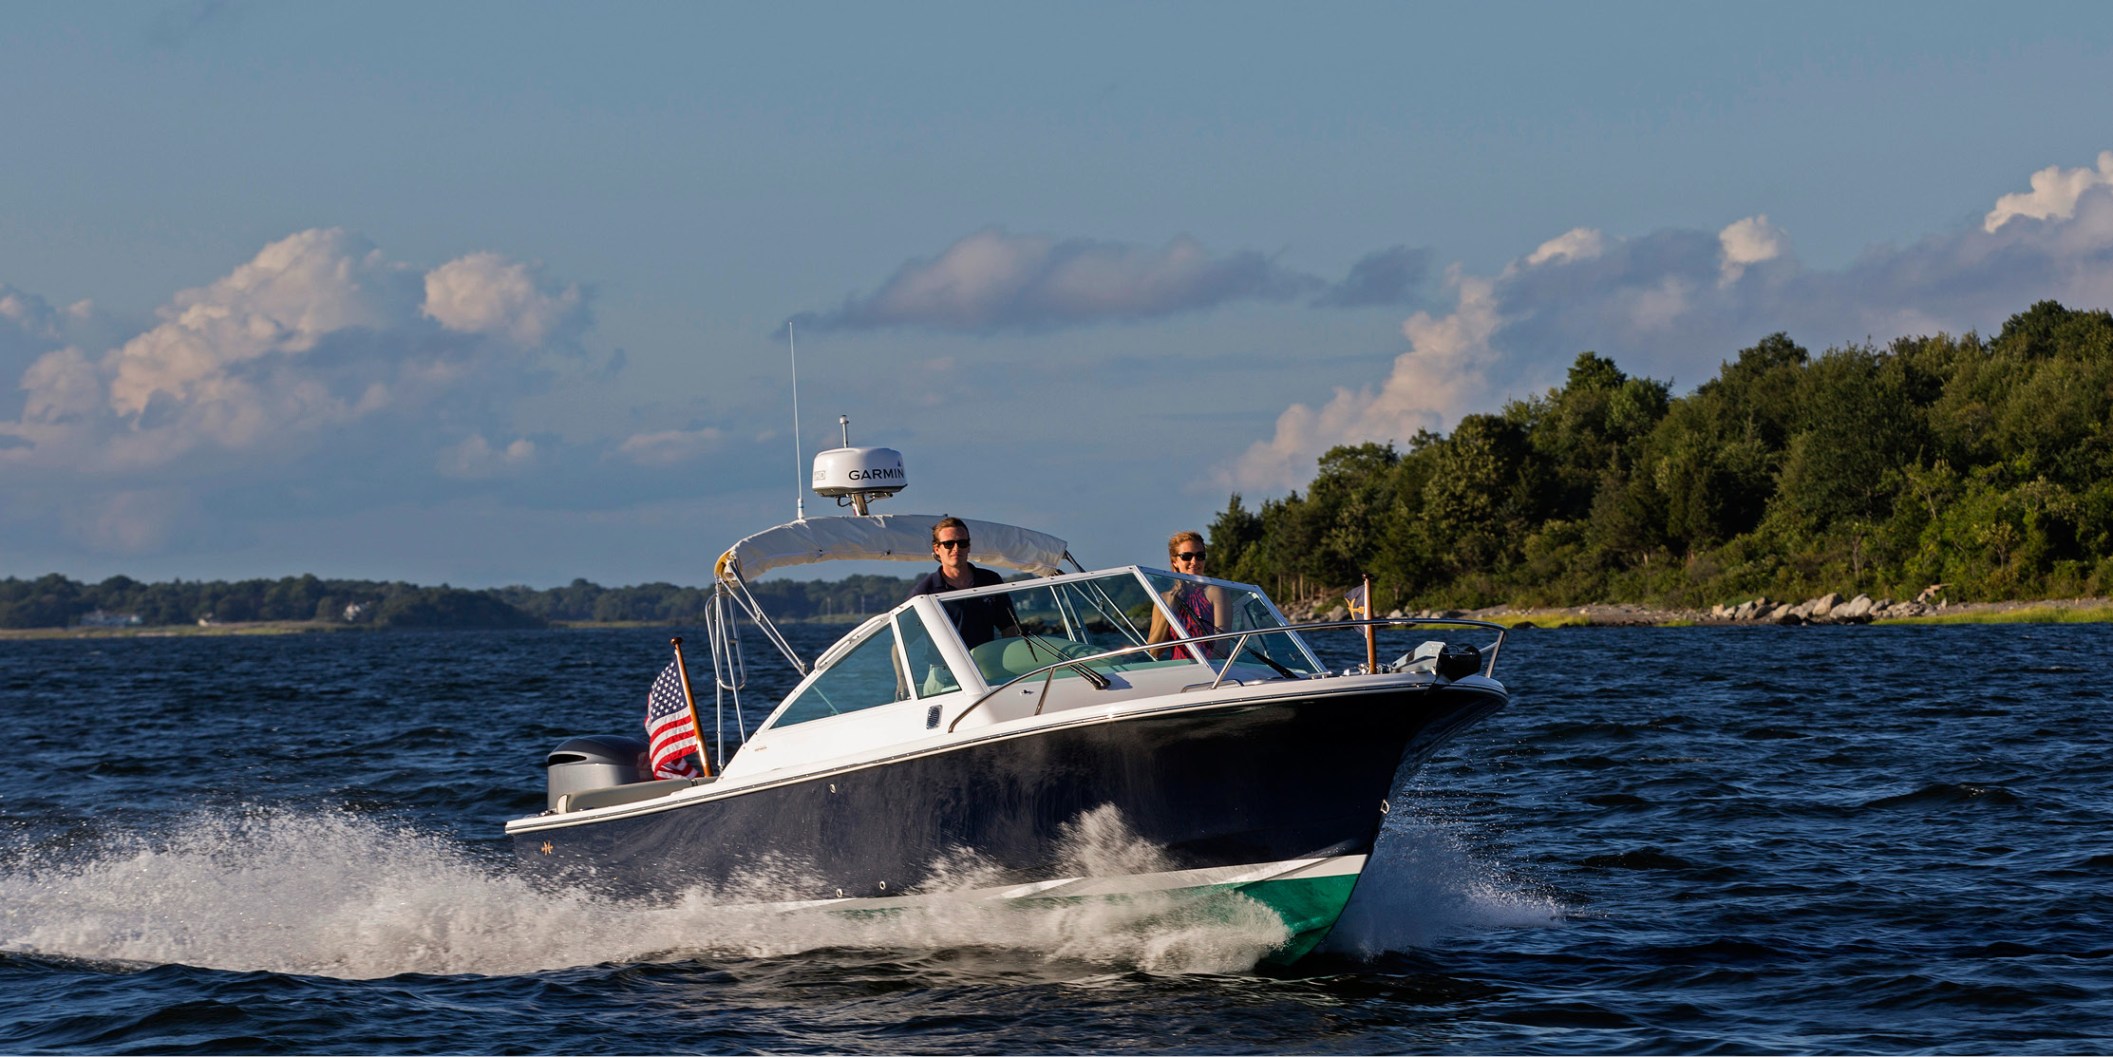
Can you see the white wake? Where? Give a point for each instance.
(339, 895)
(1423, 886)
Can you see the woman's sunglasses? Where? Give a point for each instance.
(1190, 556)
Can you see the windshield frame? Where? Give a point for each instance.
(1144, 575)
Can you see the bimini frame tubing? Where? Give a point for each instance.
(871, 537)
(732, 591)
(729, 666)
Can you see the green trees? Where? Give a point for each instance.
(450, 607)
(56, 602)
(50, 601)
(1987, 466)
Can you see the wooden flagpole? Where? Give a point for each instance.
(1371, 644)
(704, 756)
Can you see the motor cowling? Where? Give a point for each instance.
(1459, 660)
(596, 761)
(1449, 660)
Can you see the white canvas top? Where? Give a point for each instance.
(885, 537)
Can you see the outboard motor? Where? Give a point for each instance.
(1450, 660)
(1459, 660)
(596, 761)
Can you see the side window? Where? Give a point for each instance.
(929, 674)
(865, 677)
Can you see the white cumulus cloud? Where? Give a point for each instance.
(316, 332)
(2055, 192)
(475, 458)
(268, 312)
(317, 367)
(669, 447)
(1440, 373)
(995, 280)
(1675, 304)
(1577, 244)
(486, 293)
(1750, 241)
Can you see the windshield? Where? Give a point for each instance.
(1202, 607)
(1046, 621)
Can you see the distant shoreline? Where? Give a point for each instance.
(2043, 611)
(1607, 615)
(226, 629)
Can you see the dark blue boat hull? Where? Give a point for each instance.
(1228, 785)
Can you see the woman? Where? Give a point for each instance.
(1201, 608)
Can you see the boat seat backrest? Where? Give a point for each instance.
(1003, 660)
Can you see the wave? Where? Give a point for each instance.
(337, 895)
(1941, 793)
(1423, 886)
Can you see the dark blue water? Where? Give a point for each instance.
(1676, 840)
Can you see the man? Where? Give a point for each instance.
(977, 620)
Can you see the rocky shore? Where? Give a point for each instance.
(1826, 609)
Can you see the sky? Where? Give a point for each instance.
(499, 293)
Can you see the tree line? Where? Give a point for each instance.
(56, 601)
(1985, 465)
(1982, 465)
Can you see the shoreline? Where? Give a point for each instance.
(321, 627)
(1619, 615)
(1827, 610)
(1599, 615)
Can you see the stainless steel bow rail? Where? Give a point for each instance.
(1240, 639)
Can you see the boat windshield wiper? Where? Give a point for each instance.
(1272, 662)
(1239, 647)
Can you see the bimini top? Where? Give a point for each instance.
(888, 538)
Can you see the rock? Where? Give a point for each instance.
(1339, 613)
(1824, 604)
(1855, 611)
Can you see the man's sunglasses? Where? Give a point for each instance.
(951, 544)
(1190, 556)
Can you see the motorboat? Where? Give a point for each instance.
(1246, 767)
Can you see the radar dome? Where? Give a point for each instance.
(857, 476)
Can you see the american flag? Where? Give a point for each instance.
(672, 735)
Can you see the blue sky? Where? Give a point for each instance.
(495, 293)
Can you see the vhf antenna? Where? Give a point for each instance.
(799, 491)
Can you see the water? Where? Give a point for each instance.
(1731, 840)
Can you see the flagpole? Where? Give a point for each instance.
(704, 756)
(1371, 644)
